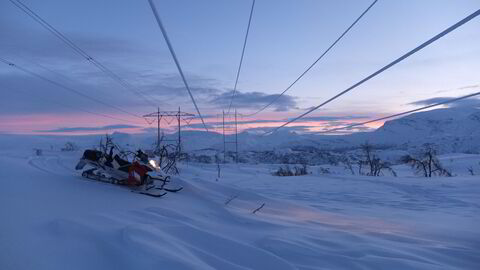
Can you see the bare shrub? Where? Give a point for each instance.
(426, 163)
(167, 158)
(347, 164)
(69, 147)
(372, 163)
(287, 171)
(322, 170)
(470, 170)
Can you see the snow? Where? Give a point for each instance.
(52, 218)
(454, 130)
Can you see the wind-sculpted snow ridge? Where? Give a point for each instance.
(54, 219)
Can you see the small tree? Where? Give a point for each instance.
(372, 162)
(287, 171)
(347, 164)
(470, 170)
(426, 162)
(283, 171)
(69, 147)
(167, 158)
(301, 170)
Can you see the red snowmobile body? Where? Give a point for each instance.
(137, 174)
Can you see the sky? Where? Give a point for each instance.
(286, 36)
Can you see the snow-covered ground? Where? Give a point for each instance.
(51, 218)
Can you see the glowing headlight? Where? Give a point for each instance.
(152, 162)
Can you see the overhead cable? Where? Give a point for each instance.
(399, 114)
(241, 58)
(174, 56)
(81, 109)
(66, 87)
(275, 99)
(396, 61)
(80, 52)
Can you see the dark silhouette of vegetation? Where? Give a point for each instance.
(470, 170)
(70, 147)
(426, 163)
(287, 171)
(372, 163)
(347, 164)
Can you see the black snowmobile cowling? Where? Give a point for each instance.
(93, 155)
(90, 155)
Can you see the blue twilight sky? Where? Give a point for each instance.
(285, 37)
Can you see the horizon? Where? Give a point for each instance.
(208, 45)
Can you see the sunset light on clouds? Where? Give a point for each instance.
(129, 44)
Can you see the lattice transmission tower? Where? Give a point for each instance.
(169, 117)
(229, 127)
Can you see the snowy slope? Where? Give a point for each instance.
(453, 129)
(54, 219)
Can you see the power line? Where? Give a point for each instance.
(398, 60)
(400, 114)
(316, 61)
(81, 109)
(69, 79)
(172, 52)
(78, 50)
(241, 58)
(66, 87)
(47, 69)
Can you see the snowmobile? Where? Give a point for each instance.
(140, 176)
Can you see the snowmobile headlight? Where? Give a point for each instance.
(153, 163)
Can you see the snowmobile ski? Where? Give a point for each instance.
(170, 189)
(150, 193)
(166, 184)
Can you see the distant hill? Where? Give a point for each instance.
(453, 130)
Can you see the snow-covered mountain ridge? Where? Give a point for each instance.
(453, 130)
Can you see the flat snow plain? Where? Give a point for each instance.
(51, 218)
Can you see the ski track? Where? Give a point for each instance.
(51, 164)
(85, 225)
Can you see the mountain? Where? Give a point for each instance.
(453, 130)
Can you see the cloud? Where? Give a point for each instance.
(470, 102)
(465, 87)
(333, 118)
(76, 129)
(298, 129)
(331, 121)
(361, 128)
(255, 100)
(34, 41)
(139, 65)
(216, 124)
(473, 86)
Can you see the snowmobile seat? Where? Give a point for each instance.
(142, 156)
(123, 165)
